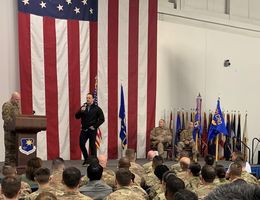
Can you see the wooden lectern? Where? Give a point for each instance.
(26, 128)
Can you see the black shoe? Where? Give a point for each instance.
(84, 164)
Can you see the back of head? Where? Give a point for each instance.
(185, 163)
(241, 161)
(123, 177)
(102, 160)
(173, 185)
(46, 196)
(58, 164)
(32, 165)
(167, 175)
(124, 162)
(8, 170)
(160, 170)
(235, 169)
(150, 155)
(130, 154)
(42, 175)
(157, 160)
(220, 171)
(93, 160)
(209, 160)
(71, 177)
(184, 154)
(208, 173)
(185, 194)
(10, 187)
(195, 168)
(94, 172)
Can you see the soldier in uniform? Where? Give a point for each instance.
(186, 140)
(10, 188)
(161, 137)
(58, 166)
(10, 110)
(135, 167)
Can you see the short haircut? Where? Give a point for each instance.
(90, 94)
(8, 170)
(237, 191)
(93, 160)
(157, 160)
(220, 171)
(209, 159)
(160, 170)
(58, 162)
(10, 187)
(195, 168)
(173, 185)
(46, 196)
(235, 169)
(124, 177)
(71, 177)
(124, 162)
(185, 194)
(32, 165)
(130, 154)
(94, 172)
(42, 175)
(168, 174)
(208, 173)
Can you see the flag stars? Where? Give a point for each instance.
(91, 11)
(69, 2)
(25, 2)
(77, 10)
(43, 4)
(60, 7)
(85, 2)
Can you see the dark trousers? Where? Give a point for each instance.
(83, 138)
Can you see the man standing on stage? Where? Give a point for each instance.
(91, 117)
(10, 110)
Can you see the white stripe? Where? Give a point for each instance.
(102, 70)
(84, 61)
(38, 79)
(123, 26)
(142, 79)
(63, 87)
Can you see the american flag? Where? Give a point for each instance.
(64, 45)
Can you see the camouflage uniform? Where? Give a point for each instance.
(193, 183)
(148, 167)
(9, 112)
(33, 195)
(125, 193)
(83, 181)
(160, 137)
(155, 189)
(137, 169)
(176, 167)
(73, 196)
(183, 176)
(150, 179)
(204, 190)
(249, 178)
(221, 181)
(159, 192)
(140, 191)
(56, 180)
(25, 190)
(109, 177)
(186, 140)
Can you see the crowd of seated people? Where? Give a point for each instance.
(186, 180)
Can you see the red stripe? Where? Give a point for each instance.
(151, 71)
(25, 62)
(51, 90)
(112, 78)
(133, 72)
(74, 86)
(93, 26)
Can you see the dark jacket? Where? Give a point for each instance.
(94, 117)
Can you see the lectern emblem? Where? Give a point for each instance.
(27, 146)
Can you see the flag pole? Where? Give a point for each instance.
(217, 148)
(196, 146)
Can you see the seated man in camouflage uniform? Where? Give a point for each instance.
(10, 188)
(161, 137)
(186, 141)
(10, 110)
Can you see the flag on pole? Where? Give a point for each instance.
(122, 135)
(178, 128)
(99, 134)
(204, 137)
(183, 125)
(233, 131)
(197, 121)
(238, 140)
(217, 124)
(227, 144)
(245, 139)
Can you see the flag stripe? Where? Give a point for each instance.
(25, 62)
(151, 68)
(38, 83)
(74, 85)
(113, 6)
(142, 79)
(133, 72)
(51, 90)
(93, 43)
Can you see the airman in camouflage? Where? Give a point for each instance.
(109, 177)
(161, 137)
(52, 190)
(10, 110)
(249, 178)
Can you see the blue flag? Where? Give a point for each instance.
(178, 128)
(122, 134)
(217, 124)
